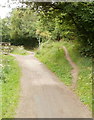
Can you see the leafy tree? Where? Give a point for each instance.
(5, 35)
(78, 14)
(52, 21)
(23, 27)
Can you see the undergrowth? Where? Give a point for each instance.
(84, 83)
(10, 76)
(53, 56)
(19, 50)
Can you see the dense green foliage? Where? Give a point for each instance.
(10, 85)
(47, 23)
(53, 56)
(43, 21)
(78, 14)
(4, 27)
(20, 28)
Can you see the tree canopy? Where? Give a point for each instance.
(51, 21)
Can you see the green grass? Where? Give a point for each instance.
(53, 56)
(10, 86)
(19, 50)
(84, 83)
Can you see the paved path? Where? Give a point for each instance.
(43, 95)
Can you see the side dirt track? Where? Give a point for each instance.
(43, 95)
(75, 69)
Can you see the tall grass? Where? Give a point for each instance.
(10, 85)
(53, 56)
(19, 50)
(84, 83)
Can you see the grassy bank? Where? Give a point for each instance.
(19, 50)
(84, 83)
(10, 85)
(53, 56)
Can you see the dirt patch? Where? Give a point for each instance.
(75, 69)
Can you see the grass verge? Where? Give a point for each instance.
(10, 86)
(84, 83)
(19, 50)
(53, 56)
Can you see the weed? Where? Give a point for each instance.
(19, 50)
(53, 56)
(10, 86)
